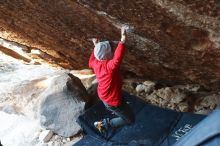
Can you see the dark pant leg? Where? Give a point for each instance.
(124, 113)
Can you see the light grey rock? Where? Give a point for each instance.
(44, 144)
(56, 137)
(58, 143)
(50, 143)
(149, 83)
(140, 88)
(64, 140)
(45, 136)
(63, 101)
(150, 86)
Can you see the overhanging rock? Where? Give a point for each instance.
(171, 41)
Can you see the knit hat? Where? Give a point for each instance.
(103, 51)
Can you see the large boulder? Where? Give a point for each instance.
(22, 88)
(21, 85)
(63, 101)
(170, 40)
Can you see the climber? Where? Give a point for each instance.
(106, 65)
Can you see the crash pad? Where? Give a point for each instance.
(153, 125)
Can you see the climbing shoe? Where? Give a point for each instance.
(103, 125)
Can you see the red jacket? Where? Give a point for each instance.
(108, 76)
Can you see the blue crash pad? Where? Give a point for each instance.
(206, 133)
(153, 126)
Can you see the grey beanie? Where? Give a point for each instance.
(103, 51)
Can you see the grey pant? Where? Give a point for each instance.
(124, 113)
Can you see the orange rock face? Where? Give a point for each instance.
(175, 41)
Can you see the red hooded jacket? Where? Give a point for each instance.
(109, 77)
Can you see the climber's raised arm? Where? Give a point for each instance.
(119, 52)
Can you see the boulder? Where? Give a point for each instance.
(170, 40)
(207, 104)
(62, 102)
(140, 88)
(45, 136)
(86, 76)
(174, 95)
(149, 86)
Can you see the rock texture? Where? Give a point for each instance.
(208, 104)
(185, 98)
(169, 97)
(169, 40)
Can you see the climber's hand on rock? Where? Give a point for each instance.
(95, 41)
(123, 34)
